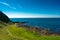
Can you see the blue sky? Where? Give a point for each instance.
(30, 8)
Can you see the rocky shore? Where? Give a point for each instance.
(40, 31)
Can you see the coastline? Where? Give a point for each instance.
(40, 31)
(21, 31)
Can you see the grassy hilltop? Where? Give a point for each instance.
(12, 32)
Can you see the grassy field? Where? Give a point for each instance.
(12, 32)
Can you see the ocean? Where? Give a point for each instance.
(49, 23)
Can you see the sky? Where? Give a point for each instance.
(30, 8)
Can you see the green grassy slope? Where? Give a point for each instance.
(12, 32)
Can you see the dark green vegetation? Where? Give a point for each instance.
(4, 18)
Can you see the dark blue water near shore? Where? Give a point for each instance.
(51, 23)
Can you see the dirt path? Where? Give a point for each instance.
(11, 34)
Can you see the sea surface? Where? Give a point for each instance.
(49, 23)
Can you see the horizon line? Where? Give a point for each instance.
(34, 17)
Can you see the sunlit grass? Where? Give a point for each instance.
(12, 32)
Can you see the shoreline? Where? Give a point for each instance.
(34, 29)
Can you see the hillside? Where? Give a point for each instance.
(12, 32)
(4, 18)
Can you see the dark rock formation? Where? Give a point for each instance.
(4, 18)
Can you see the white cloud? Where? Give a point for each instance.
(4, 3)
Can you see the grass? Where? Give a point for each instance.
(12, 32)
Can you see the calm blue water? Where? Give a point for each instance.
(51, 23)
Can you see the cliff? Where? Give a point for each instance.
(4, 18)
